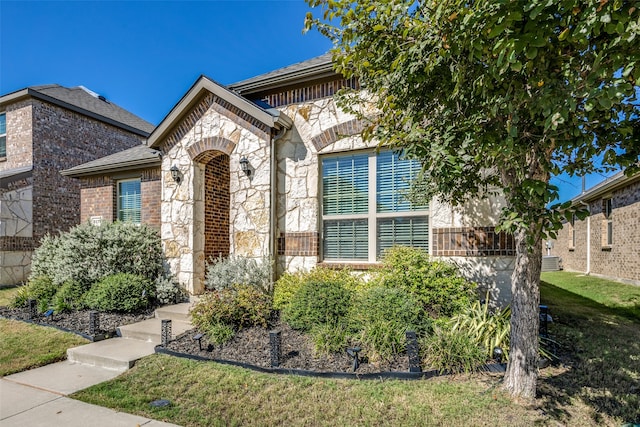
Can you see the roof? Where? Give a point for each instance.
(610, 184)
(311, 69)
(270, 117)
(12, 175)
(86, 102)
(133, 158)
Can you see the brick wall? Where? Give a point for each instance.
(63, 139)
(19, 148)
(216, 207)
(471, 241)
(621, 260)
(97, 197)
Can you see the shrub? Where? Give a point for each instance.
(235, 270)
(488, 330)
(88, 253)
(318, 303)
(41, 288)
(219, 333)
(237, 307)
(383, 316)
(439, 285)
(289, 283)
(69, 297)
(168, 291)
(120, 292)
(329, 338)
(452, 351)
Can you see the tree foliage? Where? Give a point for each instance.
(496, 95)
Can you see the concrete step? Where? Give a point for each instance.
(117, 354)
(175, 312)
(149, 330)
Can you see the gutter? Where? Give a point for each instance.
(77, 173)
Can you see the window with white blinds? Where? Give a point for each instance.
(366, 209)
(129, 201)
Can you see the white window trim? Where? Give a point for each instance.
(371, 216)
(118, 206)
(4, 134)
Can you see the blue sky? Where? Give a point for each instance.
(144, 55)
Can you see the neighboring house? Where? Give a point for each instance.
(607, 242)
(271, 167)
(45, 129)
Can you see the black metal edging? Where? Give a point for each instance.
(494, 367)
(99, 337)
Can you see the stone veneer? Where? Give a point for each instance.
(621, 260)
(214, 126)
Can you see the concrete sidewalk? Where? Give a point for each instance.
(38, 398)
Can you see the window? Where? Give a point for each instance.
(572, 232)
(3, 135)
(129, 201)
(365, 208)
(607, 223)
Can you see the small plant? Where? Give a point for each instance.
(120, 292)
(329, 338)
(289, 283)
(440, 287)
(169, 291)
(219, 333)
(227, 272)
(452, 351)
(383, 316)
(69, 297)
(488, 330)
(40, 288)
(318, 303)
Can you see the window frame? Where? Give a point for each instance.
(3, 137)
(371, 216)
(119, 208)
(607, 210)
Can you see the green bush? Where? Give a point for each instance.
(488, 330)
(69, 297)
(318, 303)
(169, 291)
(40, 288)
(330, 338)
(120, 292)
(438, 284)
(235, 270)
(289, 283)
(219, 333)
(383, 316)
(452, 351)
(88, 253)
(237, 307)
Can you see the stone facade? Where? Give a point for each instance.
(591, 252)
(45, 138)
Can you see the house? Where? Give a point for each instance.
(44, 129)
(607, 242)
(270, 167)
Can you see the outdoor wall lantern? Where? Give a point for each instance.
(244, 165)
(175, 174)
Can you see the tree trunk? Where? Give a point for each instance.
(522, 369)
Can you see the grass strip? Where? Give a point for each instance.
(25, 346)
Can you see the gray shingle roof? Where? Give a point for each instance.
(301, 71)
(133, 158)
(84, 101)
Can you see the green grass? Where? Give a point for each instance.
(7, 294)
(24, 346)
(209, 394)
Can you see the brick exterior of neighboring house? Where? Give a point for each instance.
(607, 242)
(286, 129)
(50, 128)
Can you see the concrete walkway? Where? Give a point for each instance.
(38, 397)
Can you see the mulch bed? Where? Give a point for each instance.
(78, 321)
(252, 346)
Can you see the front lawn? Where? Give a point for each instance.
(598, 384)
(24, 346)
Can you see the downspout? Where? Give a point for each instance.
(274, 196)
(588, 237)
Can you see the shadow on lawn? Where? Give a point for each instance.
(600, 348)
